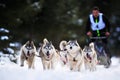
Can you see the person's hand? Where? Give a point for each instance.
(107, 33)
(89, 33)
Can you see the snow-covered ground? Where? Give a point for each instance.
(11, 71)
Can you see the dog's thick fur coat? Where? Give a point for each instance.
(28, 51)
(90, 57)
(74, 54)
(47, 53)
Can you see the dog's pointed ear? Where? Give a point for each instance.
(85, 46)
(27, 42)
(45, 41)
(57, 51)
(32, 42)
(69, 41)
(91, 44)
(75, 40)
(77, 44)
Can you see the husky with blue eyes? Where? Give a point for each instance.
(47, 53)
(28, 51)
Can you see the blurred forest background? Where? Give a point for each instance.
(56, 20)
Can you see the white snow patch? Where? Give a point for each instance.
(4, 37)
(11, 71)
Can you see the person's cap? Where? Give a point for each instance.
(96, 8)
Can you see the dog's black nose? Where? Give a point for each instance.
(70, 47)
(47, 53)
(65, 49)
(87, 54)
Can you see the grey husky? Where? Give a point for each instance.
(74, 54)
(28, 51)
(90, 57)
(47, 53)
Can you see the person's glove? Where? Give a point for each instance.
(107, 33)
(89, 33)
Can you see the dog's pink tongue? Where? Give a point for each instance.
(48, 56)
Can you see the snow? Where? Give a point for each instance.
(15, 44)
(4, 30)
(11, 71)
(10, 50)
(4, 38)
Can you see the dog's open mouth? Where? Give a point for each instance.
(28, 53)
(88, 56)
(48, 56)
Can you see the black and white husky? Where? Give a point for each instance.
(74, 54)
(47, 53)
(90, 57)
(28, 51)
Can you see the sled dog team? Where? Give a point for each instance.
(70, 54)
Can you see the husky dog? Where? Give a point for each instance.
(63, 52)
(62, 57)
(90, 57)
(47, 53)
(28, 51)
(103, 54)
(74, 55)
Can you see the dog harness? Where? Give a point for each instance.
(95, 25)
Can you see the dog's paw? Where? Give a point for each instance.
(71, 69)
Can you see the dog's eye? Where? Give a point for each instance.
(70, 47)
(49, 47)
(45, 47)
(30, 47)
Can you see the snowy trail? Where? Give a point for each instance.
(11, 71)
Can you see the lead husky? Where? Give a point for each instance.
(47, 53)
(28, 51)
(74, 55)
(90, 57)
